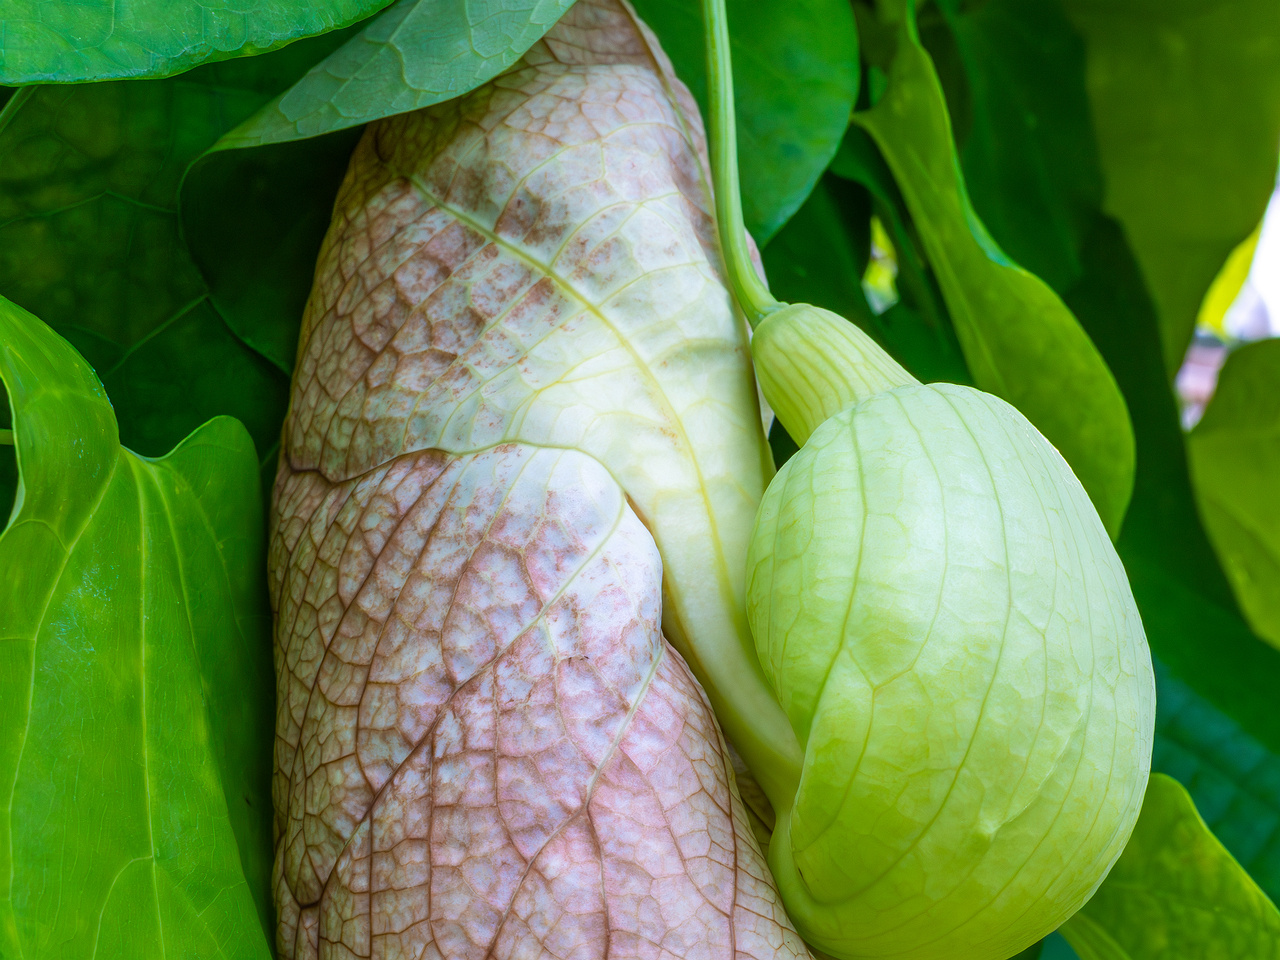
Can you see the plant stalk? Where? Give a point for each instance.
(748, 289)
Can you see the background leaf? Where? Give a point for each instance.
(1025, 136)
(795, 75)
(1174, 891)
(114, 39)
(133, 733)
(90, 239)
(1185, 99)
(418, 53)
(1235, 465)
(254, 221)
(1020, 341)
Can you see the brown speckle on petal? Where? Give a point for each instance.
(485, 747)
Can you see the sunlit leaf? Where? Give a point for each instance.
(135, 690)
(111, 40)
(1227, 285)
(1234, 453)
(1175, 891)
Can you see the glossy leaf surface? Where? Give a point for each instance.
(1175, 891)
(418, 53)
(117, 39)
(1189, 178)
(135, 693)
(1020, 341)
(1234, 454)
(795, 74)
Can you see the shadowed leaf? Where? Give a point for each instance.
(1185, 100)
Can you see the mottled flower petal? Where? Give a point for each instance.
(519, 370)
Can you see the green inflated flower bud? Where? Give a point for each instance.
(946, 624)
(812, 363)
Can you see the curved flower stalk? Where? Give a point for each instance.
(942, 615)
(521, 380)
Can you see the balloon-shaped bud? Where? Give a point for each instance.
(947, 625)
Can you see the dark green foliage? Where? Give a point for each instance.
(794, 86)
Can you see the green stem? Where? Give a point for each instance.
(749, 290)
(6, 438)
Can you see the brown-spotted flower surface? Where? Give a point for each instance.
(523, 445)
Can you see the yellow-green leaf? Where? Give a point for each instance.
(1175, 892)
(1234, 454)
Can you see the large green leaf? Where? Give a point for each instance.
(90, 240)
(1186, 104)
(1175, 891)
(418, 53)
(114, 39)
(135, 681)
(1234, 454)
(795, 75)
(1019, 339)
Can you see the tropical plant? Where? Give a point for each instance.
(480, 299)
